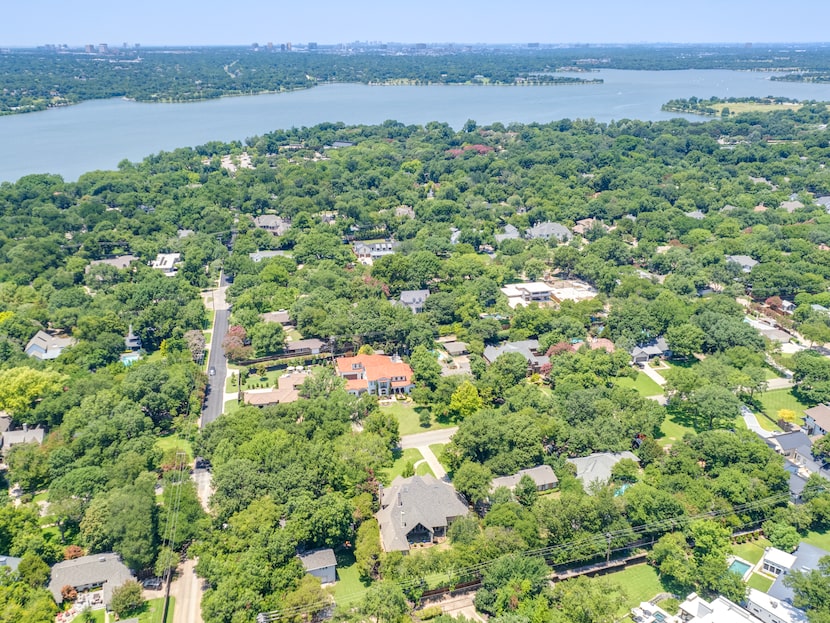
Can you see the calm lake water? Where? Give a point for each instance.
(99, 134)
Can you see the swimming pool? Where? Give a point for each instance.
(740, 567)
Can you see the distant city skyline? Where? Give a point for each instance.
(215, 22)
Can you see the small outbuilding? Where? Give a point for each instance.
(320, 563)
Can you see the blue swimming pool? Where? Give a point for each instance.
(740, 567)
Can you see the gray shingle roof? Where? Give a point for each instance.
(542, 475)
(526, 348)
(598, 466)
(420, 500)
(99, 569)
(318, 559)
(549, 230)
(9, 561)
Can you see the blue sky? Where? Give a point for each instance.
(215, 22)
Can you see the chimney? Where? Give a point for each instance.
(25, 427)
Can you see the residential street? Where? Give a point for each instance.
(214, 404)
(187, 589)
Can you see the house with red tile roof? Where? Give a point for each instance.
(380, 375)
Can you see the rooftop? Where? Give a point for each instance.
(99, 569)
(542, 475)
(598, 466)
(318, 559)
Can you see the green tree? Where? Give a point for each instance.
(367, 550)
(267, 338)
(525, 491)
(465, 401)
(22, 387)
(425, 367)
(685, 339)
(714, 404)
(384, 602)
(33, 570)
(473, 481)
(127, 598)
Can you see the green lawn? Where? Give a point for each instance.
(150, 613)
(174, 442)
(407, 416)
(642, 384)
(673, 430)
(777, 399)
(639, 583)
(759, 582)
(751, 552)
(401, 459)
(349, 589)
(819, 539)
(230, 406)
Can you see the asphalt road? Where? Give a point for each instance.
(216, 359)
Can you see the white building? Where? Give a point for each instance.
(166, 263)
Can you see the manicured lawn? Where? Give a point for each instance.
(401, 459)
(423, 469)
(767, 424)
(673, 431)
(230, 406)
(348, 589)
(819, 539)
(174, 442)
(407, 416)
(777, 399)
(642, 384)
(150, 613)
(751, 552)
(293, 335)
(759, 582)
(639, 583)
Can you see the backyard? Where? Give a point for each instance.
(642, 384)
(773, 401)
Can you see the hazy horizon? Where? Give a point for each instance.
(187, 23)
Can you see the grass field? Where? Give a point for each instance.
(736, 108)
(642, 384)
(407, 416)
(174, 442)
(777, 399)
(348, 589)
(819, 539)
(639, 583)
(759, 582)
(150, 613)
(751, 552)
(401, 459)
(674, 429)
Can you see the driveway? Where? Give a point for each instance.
(423, 441)
(204, 489)
(653, 375)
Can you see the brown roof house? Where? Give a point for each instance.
(417, 510)
(287, 390)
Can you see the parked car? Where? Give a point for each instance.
(212, 371)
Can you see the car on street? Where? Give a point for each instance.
(212, 371)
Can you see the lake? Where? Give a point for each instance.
(99, 134)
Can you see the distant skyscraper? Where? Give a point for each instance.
(270, 46)
(89, 48)
(288, 46)
(103, 48)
